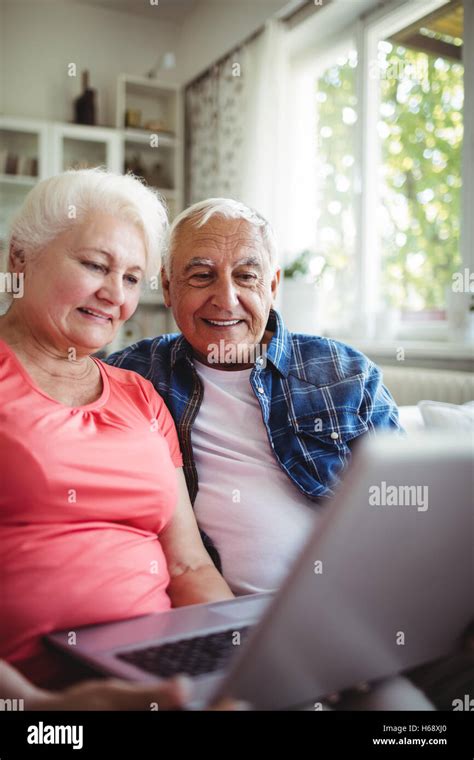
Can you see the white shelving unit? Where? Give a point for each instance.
(75, 146)
(23, 145)
(19, 181)
(153, 148)
(48, 148)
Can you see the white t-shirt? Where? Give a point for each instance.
(256, 517)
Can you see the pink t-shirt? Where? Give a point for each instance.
(84, 493)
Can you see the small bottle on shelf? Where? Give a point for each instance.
(84, 105)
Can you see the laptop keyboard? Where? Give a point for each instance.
(194, 657)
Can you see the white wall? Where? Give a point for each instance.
(214, 27)
(2, 54)
(40, 38)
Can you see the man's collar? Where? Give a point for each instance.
(181, 350)
(279, 348)
(278, 351)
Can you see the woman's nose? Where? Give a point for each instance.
(112, 290)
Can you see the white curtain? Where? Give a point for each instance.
(264, 152)
(235, 125)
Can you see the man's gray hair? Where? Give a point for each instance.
(200, 213)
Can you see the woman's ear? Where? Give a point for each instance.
(16, 257)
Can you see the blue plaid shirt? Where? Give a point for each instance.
(317, 396)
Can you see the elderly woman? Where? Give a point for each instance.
(95, 519)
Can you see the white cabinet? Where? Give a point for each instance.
(23, 160)
(31, 150)
(150, 117)
(149, 113)
(74, 146)
(147, 139)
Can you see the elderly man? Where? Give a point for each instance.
(266, 419)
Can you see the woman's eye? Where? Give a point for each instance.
(94, 266)
(132, 280)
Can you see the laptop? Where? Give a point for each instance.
(384, 583)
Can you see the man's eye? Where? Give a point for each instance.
(247, 276)
(200, 276)
(132, 280)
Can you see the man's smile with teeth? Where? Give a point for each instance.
(223, 322)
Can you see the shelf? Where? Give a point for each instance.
(94, 132)
(150, 101)
(18, 179)
(144, 86)
(57, 144)
(142, 137)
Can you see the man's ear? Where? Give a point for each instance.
(165, 284)
(276, 281)
(16, 257)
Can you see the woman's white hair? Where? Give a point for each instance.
(55, 204)
(200, 213)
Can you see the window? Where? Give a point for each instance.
(322, 187)
(420, 128)
(336, 105)
(388, 141)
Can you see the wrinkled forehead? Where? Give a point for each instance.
(122, 241)
(220, 239)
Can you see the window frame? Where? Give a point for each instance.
(377, 26)
(366, 31)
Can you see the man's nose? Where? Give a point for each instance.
(225, 294)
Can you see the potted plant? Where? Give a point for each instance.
(301, 304)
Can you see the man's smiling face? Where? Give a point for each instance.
(222, 284)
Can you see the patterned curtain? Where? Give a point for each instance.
(214, 132)
(236, 127)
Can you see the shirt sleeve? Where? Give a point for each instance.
(378, 408)
(115, 359)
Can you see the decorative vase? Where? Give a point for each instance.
(301, 306)
(84, 105)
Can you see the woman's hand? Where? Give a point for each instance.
(113, 694)
(109, 694)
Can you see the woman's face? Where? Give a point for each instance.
(84, 284)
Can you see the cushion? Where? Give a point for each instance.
(437, 414)
(410, 418)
